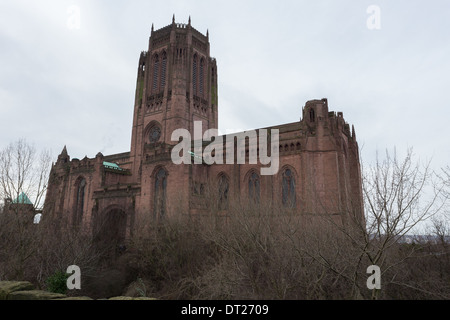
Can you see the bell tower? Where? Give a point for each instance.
(176, 85)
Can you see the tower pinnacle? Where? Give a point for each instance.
(63, 157)
(64, 151)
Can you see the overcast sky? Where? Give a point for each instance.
(64, 85)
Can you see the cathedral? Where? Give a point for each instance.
(318, 168)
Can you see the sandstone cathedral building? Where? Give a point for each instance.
(176, 87)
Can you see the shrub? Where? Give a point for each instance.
(57, 282)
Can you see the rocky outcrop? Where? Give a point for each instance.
(23, 290)
(8, 287)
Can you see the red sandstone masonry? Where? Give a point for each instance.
(320, 150)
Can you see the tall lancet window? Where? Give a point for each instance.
(194, 75)
(160, 194)
(201, 75)
(155, 73)
(254, 187)
(312, 115)
(224, 187)
(288, 189)
(79, 205)
(163, 70)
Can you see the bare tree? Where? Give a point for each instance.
(445, 177)
(400, 197)
(23, 178)
(24, 171)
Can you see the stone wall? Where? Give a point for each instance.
(24, 290)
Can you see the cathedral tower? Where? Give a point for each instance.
(176, 85)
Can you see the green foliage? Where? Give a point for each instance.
(214, 94)
(142, 290)
(57, 282)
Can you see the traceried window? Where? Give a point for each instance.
(288, 189)
(155, 134)
(155, 73)
(201, 75)
(160, 194)
(254, 187)
(194, 75)
(79, 205)
(163, 70)
(223, 192)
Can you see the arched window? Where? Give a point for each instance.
(254, 187)
(153, 132)
(194, 75)
(160, 194)
(155, 72)
(312, 115)
(223, 192)
(288, 189)
(201, 75)
(79, 204)
(163, 70)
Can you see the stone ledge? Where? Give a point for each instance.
(8, 287)
(131, 298)
(24, 290)
(75, 298)
(34, 295)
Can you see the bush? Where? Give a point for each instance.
(57, 282)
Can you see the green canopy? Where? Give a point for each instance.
(112, 165)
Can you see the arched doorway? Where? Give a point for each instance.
(111, 228)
